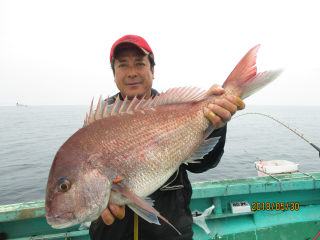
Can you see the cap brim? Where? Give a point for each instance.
(122, 44)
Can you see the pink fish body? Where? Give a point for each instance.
(127, 151)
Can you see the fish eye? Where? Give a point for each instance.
(64, 185)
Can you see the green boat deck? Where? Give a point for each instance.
(290, 210)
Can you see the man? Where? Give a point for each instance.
(132, 62)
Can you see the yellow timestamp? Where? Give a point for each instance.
(270, 206)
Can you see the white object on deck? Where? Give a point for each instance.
(84, 226)
(276, 167)
(240, 207)
(201, 220)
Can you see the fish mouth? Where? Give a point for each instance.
(62, 221)
(69, 219)
(60, 218)
(66, 215)
(64, 225)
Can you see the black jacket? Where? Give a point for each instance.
(172, 200)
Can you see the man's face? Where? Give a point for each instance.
(132, 73)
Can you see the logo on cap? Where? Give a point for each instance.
(129, 39)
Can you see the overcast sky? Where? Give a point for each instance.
(57, 52)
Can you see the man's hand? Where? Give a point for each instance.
(222, 110)
(108, 215)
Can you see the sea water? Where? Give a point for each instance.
(30, 137)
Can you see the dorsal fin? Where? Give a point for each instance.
(147, 103)
(174, 95)
(155, 101)
(86, 120)
(116, 106)
(124, 104)
(140, 103)
(105, 107)
(98, 109)
(90, 113)
(133, 104)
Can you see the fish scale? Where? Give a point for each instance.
(146, 136)
(128, 150)
(156, 142)
(164, 166)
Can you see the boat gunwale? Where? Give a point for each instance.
(226, 187)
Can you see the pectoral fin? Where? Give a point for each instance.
(145, 214)
(203, 150)
(140, 206)
(148, 216)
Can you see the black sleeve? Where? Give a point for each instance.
(212, 159)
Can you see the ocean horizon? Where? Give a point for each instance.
(30, 137)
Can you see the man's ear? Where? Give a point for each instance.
(114, 76)
(152, 72)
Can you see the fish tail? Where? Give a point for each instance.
(244, 80)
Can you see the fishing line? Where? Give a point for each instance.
(252, 155)
(294, 131)
(245, 169)
(226, 188)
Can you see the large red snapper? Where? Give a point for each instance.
(127, 151)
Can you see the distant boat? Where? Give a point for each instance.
(21, 105)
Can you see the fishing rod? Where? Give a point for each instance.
(294, 131)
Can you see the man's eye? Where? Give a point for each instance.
(122, 65)
(141, 64)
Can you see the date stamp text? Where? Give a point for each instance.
(278, 206)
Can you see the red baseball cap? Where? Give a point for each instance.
(131, 40)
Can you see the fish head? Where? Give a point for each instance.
(76, 191)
